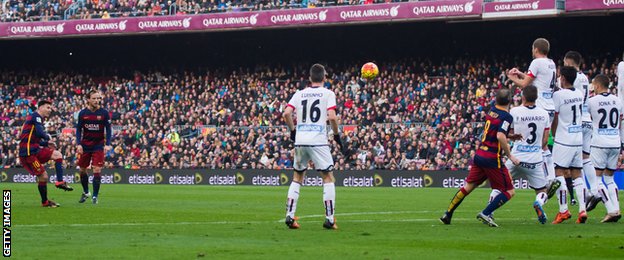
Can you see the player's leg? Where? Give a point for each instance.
(562, 197)
(57, 157)
(98, 163)
(569, 181)
(581, 191)
(516, 172)
(547, 156)
(329, 199)
(537, 181)
(615, 215)
(34, 167)
(588, 167)
(549, 172)
(300, 165)
(476, 176)
(84, 161)
(562, 158)
(324, 163)
(599, 160)
(614, 203)
(500, 179)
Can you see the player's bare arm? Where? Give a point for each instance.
(287, 115)
(513, 136)
(555, 123)
(519, 78)
(504, 143)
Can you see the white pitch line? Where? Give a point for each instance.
(268, 222)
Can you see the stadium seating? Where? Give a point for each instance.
(415, 115)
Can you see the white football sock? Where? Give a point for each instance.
(493, 194)
(590, 173)
(603, 194)
(562, 195)
(613, 193)
(581, 190)
(329, 199)
(550, 166)
(293, 197)
(541, 198)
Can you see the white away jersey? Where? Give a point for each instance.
(582, 83)
(530, 122)
(311, 105)
(569, 105)
(543, 70)
(606, 111)
(620, 84)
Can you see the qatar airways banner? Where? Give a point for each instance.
(583, 5)
(237, 20)
(519, 8)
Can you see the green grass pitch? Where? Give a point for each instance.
(246, 222)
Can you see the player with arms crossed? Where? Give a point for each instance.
(92, 130)
(34, 153)
(543, 75)
(606, 111)
(568, 147)
(314, 106)
(488, 164)
(533, 124)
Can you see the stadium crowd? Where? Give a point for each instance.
(416, 115)
(46, 10)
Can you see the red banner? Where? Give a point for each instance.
(519, 8)
(583, 5)
(446, 9)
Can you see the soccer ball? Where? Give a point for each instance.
(369, 71)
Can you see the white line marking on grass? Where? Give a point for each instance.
(268, 222)
(366, 213)
(252, 222)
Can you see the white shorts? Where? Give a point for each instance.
(533, 172)
(605, 158)
(588, 129)
(565, 156)
(319, 155)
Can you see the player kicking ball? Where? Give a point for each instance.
(314, 106)
(488, 164)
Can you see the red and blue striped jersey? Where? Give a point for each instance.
(90, 129)
(489, 153)
(33, 132)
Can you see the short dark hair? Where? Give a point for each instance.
(602, 80)
(317, 73)
(575, 56)
(44, 102)
(503, 97)
(91, 92)
(569, 73)
(529, 93)
(542, 45)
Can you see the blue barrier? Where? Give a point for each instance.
(619, 179)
